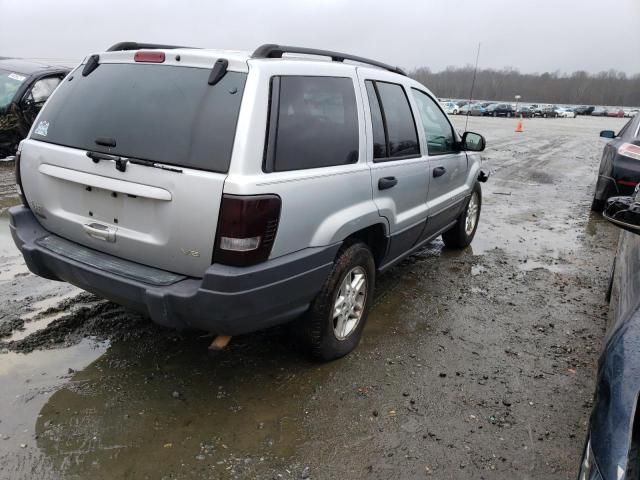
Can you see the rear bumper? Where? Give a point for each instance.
(227, 300)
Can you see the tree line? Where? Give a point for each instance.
(612, 88)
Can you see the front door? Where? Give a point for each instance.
(447, 165)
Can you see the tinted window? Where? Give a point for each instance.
(437, 129)
(379, 139)
(402, 137)
(316, 122)
(155, 112)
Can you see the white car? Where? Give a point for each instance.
(565, 112)
(451, 108)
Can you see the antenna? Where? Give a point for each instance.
(473, 84)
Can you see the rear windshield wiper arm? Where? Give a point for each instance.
(121, 163)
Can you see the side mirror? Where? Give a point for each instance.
(608, 134)
(624, 212)
(473, 142)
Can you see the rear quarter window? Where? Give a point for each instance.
(313, 123)
(161, 113)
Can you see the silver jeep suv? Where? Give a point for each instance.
(230, 192)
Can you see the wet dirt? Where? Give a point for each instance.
(474, 364)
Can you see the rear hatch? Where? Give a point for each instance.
(131, 160)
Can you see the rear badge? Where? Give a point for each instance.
(42, 128)
(190, 253)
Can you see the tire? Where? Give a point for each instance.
(597, 205)
(459, 236)
(317, 329)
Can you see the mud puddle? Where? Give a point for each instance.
(28, 383)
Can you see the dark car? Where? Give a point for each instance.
(547, 111)
(500, 110)
(619, 171)
(583, 110)
(24, 87)
(612, 449)
(524, 111)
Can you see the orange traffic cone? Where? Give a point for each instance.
(520, 127)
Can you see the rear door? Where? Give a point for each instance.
(399, 172)
(447, 164)
(131, 160)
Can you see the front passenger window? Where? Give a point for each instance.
(437, 129)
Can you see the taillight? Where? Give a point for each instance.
(23, 199)
(629, 150)
(247, 227)
(150, 57)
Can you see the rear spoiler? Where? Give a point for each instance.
(123, 46)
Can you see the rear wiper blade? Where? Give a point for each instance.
(149, 163)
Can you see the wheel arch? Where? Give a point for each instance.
(375, 237)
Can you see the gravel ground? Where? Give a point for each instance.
(474, 364)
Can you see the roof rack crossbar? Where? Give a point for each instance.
(276, 51)
(122, 46)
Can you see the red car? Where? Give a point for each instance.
(615, 112)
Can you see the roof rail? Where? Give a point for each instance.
(270, 50)
(121, 46)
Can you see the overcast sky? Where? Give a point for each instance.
(530, 35)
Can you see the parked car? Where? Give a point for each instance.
(547, 111)
(477, 110)
(451, 108)
(500, 110)
(565, 112)
(619, 170)
(599, 112)
(235, 197)
(524, 111)
(583, 110)
(24, 87)
(615, 112)
(612, 449)
(472, 109)
(630, 112)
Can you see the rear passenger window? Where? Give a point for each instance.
(391, 116)
(437, 129)
(313, 122)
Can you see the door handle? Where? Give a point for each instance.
(387, 182)
(99, 231)
(439, 171)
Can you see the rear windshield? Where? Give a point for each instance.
(154, 112)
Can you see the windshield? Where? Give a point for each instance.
(9, 84)
(160, 113)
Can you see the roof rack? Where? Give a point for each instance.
(270, 50)
(121, 46)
